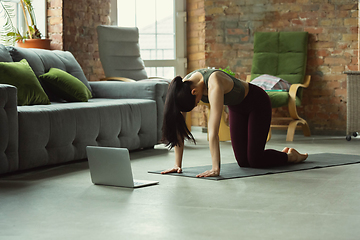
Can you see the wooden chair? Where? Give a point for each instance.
(283, 54)
(294, 118)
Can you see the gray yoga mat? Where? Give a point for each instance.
(232, 170)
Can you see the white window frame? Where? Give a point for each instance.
(180, 61)
(18, 16)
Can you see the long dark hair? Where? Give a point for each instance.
(178, 99)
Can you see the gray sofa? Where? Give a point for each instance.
(120, 114)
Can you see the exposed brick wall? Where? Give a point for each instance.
(195, 34)
(81, 17)
(333, 46)
(55, 23)
(72, 26)
(196, 48)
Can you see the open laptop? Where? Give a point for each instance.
(111, 166)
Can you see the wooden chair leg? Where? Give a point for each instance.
(291, 131)
(269, 135)
(188, 120)
(224, 129)
(306, 129)
(292, 128)
(293, 111)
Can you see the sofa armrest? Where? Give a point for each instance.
(9, 160)
(136, 90)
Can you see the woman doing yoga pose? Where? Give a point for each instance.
(249, 120)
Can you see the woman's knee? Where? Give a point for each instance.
(243, 163)
(256, 161)
(249, 163)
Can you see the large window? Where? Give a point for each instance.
(12, 9)
(17, 18)
(162, 33)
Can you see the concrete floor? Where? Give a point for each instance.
(62, 203)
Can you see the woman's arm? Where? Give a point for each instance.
(179, 155)
(178, 160)
(216, 100)
(179, 150)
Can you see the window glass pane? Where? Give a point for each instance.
(151, 71)
(165, 16)
(147, 41)
(165, 47)
(146, 15)
(155, 20)
(126, 13)
(147, 46)
(146, 54)
(166, 72)
(166, 25)
(14, 18)
(164, 54)
(40, 9)
(3, 17)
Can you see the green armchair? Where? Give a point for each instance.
(283, 54)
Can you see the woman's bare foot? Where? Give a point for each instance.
(296, 157)
(286, 150)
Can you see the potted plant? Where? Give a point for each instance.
(11, 35)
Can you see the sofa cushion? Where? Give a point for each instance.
(4, 54)
(42, 60)
(279, 99)
(60, 132)
(65, 85)
(20, 75)
(281, 54)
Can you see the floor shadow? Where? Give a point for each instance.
(52, 171)
(46, 172)
(139, 154)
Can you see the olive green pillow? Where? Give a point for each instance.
(65, 85)
(20, 75)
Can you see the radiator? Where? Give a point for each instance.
(353, 104)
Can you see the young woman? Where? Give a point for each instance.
(249, 120)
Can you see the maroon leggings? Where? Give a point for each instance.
(249, 127)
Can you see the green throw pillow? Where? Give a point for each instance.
(20, 75)
(65, 86)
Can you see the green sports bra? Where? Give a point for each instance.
(234, 97)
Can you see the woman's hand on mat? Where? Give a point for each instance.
(209, 173)
(172, 170)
